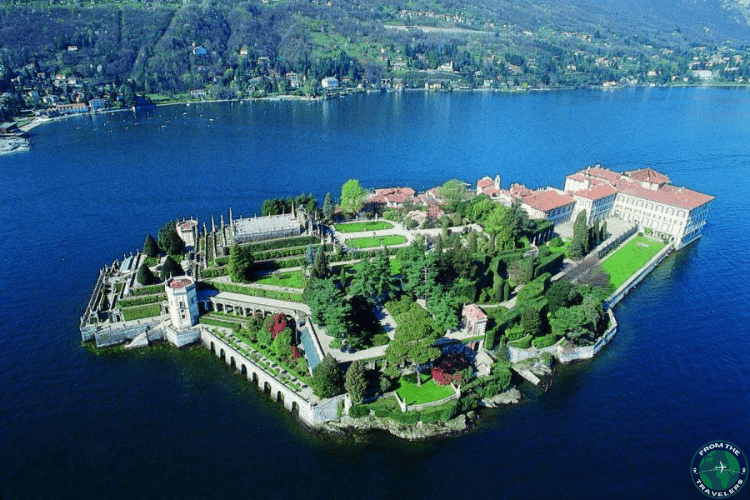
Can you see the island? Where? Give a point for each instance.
(399, 310)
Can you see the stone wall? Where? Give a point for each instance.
(311, 412)
(106, 337)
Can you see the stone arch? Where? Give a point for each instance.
(295, 408)
(280, 397)
(266, 387)
(243, 370)
(255, 379)
(222, 356)
(213, 348)
(232, 363)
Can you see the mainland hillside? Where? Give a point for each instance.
(73, 51)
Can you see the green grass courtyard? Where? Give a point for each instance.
(357, 227)
(626, 261)
(376, 241)
(291, 279)
(413, 394)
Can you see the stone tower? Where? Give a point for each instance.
(182, 298)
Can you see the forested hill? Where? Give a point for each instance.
(232, 48)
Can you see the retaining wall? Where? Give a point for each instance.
(106, 337)
(567, 354)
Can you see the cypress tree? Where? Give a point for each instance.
(326, 378)
(506, 291)
(145, 276)
(580, 242)
(328, 207)
(603, 231)
(240, 263)
(170, 268)
(355, 382)
(150, 247)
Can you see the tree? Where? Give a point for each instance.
(282, 345)
(356, 382)
(453, 192)
(320, 264)
(559, 294)
(326, 378)
(328, 207)
(603, 232)
(412, 344)
(499, 223)
(531, 322)
(579, 244)
(145, 276)
(352, 197)
(329, 308)
(150, 247)
(444, 309)
(373, 280)
(240, 263)
(170, 268)
(169, 239)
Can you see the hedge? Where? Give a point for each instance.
(545, 341)
(147, 290)
(214, 272)
(551, 264)
(533, 289)
(296, 241)
(144, 299)
(523, 343)
(232, 325)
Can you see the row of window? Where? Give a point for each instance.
(636, 202)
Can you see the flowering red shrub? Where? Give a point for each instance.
(449, 368)
(278, 324)
(295, 353)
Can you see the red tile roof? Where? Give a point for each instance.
(648, 175)
(548, 200)
(630, 183)
(596, 193)
(485, 182)
(396, 198)
(473, 312)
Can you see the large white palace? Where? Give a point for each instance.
(644, 197)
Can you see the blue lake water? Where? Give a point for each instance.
(167, 423)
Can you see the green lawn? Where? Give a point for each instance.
(376, 241)
(622, 264)
(562, 249)
(410, 392)
(292, 279)
(140, 312)
(356, 227)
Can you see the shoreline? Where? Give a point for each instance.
(38, 121)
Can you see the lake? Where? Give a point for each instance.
(166, 423)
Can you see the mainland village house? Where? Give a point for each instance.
(644, 197)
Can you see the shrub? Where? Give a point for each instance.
(359, 411)
(150, 247)
(514, 333)
(170, 268)
(556, 242)
(545, 341)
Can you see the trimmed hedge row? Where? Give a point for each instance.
(214, 272)
(232, 325)
(551, 264)
(296, 241)
(545, 341)
(147, 290)
(142, 300)
(523, 343)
